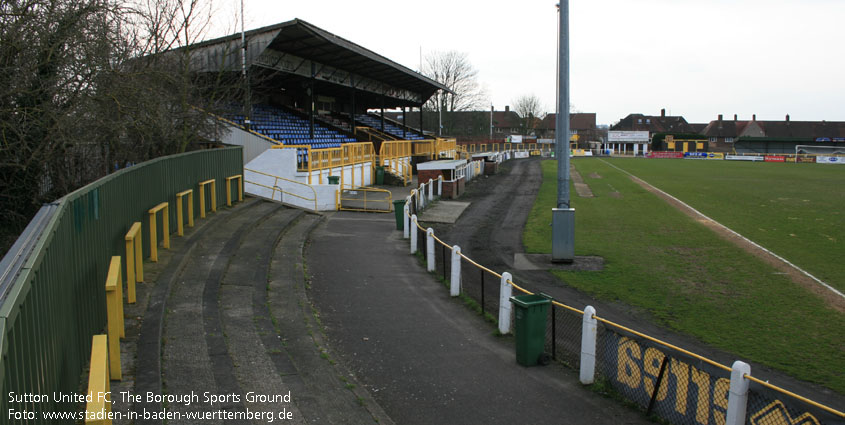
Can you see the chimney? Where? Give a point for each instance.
(787, 117)
(720, 117)
(754, 117)
(663, 113)
(507, 108)
(735, 117)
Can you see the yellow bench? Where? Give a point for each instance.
(240, 180)
(180, 230)
(134, 262)
(98, 406)
(114, 314)
(213, 184)
(165, 224)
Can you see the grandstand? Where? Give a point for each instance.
(310, 88)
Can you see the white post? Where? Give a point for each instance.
(589, 331)
(440, 185)
(421, 195)
(406, 228)
(505, 304)
(455, 279)
(414, 234)
(738, 395)
(429, 250)
(430, 190)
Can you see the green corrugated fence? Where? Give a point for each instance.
(57, 302)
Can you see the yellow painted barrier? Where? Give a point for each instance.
(180, 229)
(213, 184)
(165, 225)
(240, 180)
(134, 262)
(98, 405)
(114, 310)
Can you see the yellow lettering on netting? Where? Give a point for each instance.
(652, 360)
(681, 372)
(628, 372)
(720, 400)
(702, 381)
(776, 414)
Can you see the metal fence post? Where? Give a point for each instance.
(455, 279)
(430, 190)
(738, 395)
(414, 234)
(406, 229)
(589, 330)
(440, 185)
(505, 304)
(430, 264)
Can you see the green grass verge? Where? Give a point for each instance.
(795, 210)
(690, 279)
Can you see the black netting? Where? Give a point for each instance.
(675, 387)
(563, 335)
(769, 407)
(481, 286)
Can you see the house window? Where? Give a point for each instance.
(712, 140)
(639, 120)
(729, 139)
(648, 121)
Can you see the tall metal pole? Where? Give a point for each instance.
(491, 123)
(247, 99)
(562, 117)
(563, 217)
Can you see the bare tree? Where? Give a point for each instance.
(530, 110)
(454, 70)
(88, 85)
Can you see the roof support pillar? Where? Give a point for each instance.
(404, 124)
(352, 114)
(313, 104)
(422, 132)
(382, 112)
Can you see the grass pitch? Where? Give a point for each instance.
(794, 210)
(689, 278)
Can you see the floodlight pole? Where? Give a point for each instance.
(563, 217)
(247, 97)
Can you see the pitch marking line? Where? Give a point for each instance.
(784, 260)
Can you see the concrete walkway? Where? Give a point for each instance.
(423, 356)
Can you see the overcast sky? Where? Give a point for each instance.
(694, 58)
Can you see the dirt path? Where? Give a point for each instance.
(831, 298)
(582, 189)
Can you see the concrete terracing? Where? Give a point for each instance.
(357, 334)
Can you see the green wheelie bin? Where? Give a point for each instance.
(399, 210)
(334, 179)
(530, 328)
(379, 175)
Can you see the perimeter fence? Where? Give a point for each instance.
(667, 381)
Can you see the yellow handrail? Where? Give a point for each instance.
(276, 187)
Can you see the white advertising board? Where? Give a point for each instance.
(627, 136)
(515, 139)
(744, 158)
(830, 159)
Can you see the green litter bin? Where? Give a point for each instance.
(334, 179)
(530, 328)
(379, 175)
(399, 209)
